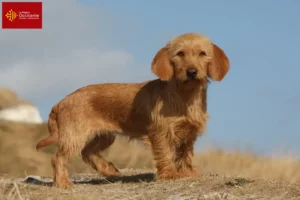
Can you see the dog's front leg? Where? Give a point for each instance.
(184, 155)
(164, 155)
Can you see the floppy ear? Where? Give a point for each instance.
(161, 65)
(219, 65)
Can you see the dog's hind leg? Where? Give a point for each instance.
(68, 148)
(91, 154)
(60, 168)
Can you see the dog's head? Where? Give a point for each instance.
(190, 57)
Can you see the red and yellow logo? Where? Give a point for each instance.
(11, 15)
(21, 15)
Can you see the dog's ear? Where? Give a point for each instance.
(161, 65)
(219, 65)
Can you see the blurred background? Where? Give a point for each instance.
(256, 108)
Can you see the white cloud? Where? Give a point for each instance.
(72, 50)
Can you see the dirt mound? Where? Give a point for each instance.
(9, 98)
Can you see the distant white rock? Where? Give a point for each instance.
(14, 109)
(21, 113)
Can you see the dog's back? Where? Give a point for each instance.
(114, 107)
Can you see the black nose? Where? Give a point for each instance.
(191, 72)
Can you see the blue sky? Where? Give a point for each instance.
(257, 105)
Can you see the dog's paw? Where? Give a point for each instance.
(111, 173)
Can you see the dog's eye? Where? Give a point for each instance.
(202, 53)
(180, 53)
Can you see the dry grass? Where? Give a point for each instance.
(139, 184)
(284, 169)
(273, 178)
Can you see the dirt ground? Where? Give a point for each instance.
(225, 175)
(140, 185)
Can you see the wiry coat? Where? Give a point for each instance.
(169, 112)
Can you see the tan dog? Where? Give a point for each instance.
(170, 111)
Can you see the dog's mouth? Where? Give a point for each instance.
(192, 80)
(188, 79)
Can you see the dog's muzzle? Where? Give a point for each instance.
(191, 73)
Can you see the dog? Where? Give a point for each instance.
(168, 112)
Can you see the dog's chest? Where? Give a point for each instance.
(190, 125)
(195, 115)
(182, 119)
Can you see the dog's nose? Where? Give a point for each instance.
(191, 72)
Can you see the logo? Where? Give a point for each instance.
(11, 15)
(22, 15)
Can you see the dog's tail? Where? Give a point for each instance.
(53, 130)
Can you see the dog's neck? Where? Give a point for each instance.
(191, 92)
